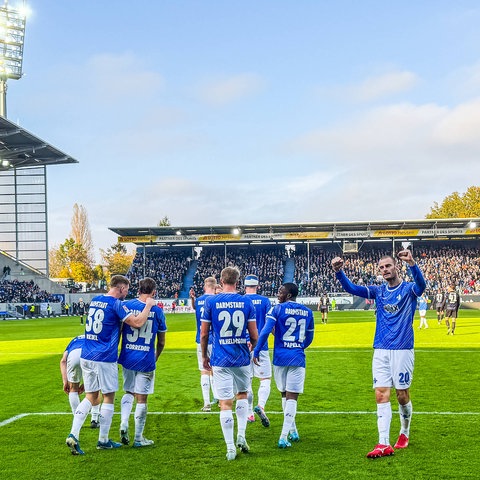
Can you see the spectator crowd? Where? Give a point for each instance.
(265, 262)
(443, 264)
(16, 291)
(166, 267)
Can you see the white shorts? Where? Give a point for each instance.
(99, 376)
(289, 379)
(199, 355)
(138, 382)
(422, 313)
(74, 371)
(264, 370)
(231, 380)
(392, 368)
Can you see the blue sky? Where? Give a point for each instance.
(226, 112)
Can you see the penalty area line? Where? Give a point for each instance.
(23, 415)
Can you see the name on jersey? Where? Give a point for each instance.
(141, 348)
(292, 345)
(296, 311)
(99, 304)
(229, 304)
(232, 341)
(257, 302)
(138, 312)
(91, 336)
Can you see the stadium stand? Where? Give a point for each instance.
(265, 261)
(16, 291)
(442, 262)
(166, 266)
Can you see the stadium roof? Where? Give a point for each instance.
(291, 232)
(21, 149)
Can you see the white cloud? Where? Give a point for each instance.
(392, 161)
(460, 127)
(373, 88)
(224, 91)
(384, 85)
(401, 132)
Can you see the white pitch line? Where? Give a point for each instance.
(13, 419)
(22, 415)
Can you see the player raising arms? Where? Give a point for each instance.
(138, 358)
(230, 315)
(294, 327)
(99, 359)
(393, 356)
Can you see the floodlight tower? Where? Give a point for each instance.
(12, 35)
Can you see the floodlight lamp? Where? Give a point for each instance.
(236, 231)
(178, 232)
(473, 225)
(12, 36)
(5, 163)
(24, 10)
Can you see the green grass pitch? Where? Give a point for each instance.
(336, 419)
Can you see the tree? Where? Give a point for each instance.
(74, 258)
(81, 231)
(116, 259)
(70, 260)
(164, 222)
(457, 205)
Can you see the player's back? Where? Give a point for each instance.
(76, 342)
(440, 300)
(199, 306)
(138, 344)
(452, 300)
(229, 314)
(102, 328)
(262, 306)
(292, 321)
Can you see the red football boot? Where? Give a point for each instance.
(402, 441)
(381, 451)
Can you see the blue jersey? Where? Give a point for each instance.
(228, 314)
(102, 328)
(262, 306)
(293, 322)
(76, 342)
(422, 303)
(138, 344)
(395, 309)
(199, 305)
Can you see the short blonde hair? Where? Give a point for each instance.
(230, 275)
(210, 282)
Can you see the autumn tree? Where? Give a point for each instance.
(74, 258)
(70, 260)
(116, 259)
(81, 233)
(458, 205)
